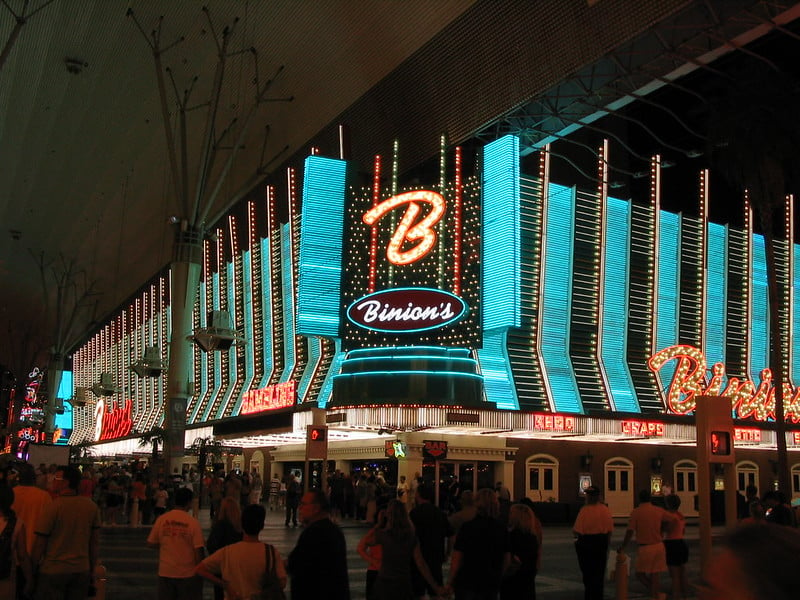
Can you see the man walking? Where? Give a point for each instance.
(435, 539)
(647, 522)
(318, 564)
(65, 548)
(593, 529)
(179, 540)
(292, 498)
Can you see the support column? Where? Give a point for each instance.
(185, 280)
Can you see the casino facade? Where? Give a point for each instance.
(488, 323)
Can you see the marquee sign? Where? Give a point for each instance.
(434, 449)
(113, 424)
(642, 428)
(748, 399)
(406, 310)
(272, 397)
(547, 422)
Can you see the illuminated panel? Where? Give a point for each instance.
(523, 341)
(315, 346)
(795, 372)
(716, 288)
(587, 289)
(281, 395)
(326, 390)
(249, 349)
(276, 294)
(668, 287)
(200, 359)
(232, 355)
(501, 267)
(255, 296)
(321, 247)
(737, 343)
(501, 239)
(373, 235)
(289, 346)
(759, 306)
(216, 362)
(556, 308)
(615, 307)
(266, 323)
(784, 260)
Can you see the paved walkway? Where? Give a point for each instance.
(132, 566)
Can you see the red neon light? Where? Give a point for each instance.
(117, 423)
(747, 399)
(796, 438)
(548, 422)
(280, 395)
(746, 435)
(408, 230)
(457, 225)
(373, 241)
(645, 428)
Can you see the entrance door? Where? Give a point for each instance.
(542, 480)
(619, 486)
(472, 476)
(686, 486)
(747, 474)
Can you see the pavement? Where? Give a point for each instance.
(132, 566)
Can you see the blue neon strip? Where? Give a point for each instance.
(613, 351)
(266, 320)
(232, 354)
(321, 236)
(202, 390)
(454, 374)
(406, 350)
(759, 321)
(716, 293)
(288, 304)
(668, 289)
(556, 299)
(406, 357)
(326, 390)
(498, 378)
(249, 331)
(217, 359)
(314, 356)
(795, 365)
(501, 234)
(65, 388)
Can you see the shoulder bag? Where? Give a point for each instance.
(270, 585)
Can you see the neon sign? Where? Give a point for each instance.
(408, 230)
(642, 428)
(406, 310)
(553, 423)
(746, 435)
(117, 422)
(280, 395)
(747, 399)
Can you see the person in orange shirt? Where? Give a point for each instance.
(593, 529)
(29, 502)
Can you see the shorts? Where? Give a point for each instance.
(651, 558)
(677, 552)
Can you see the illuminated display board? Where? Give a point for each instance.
(412, 263)
(281, 395)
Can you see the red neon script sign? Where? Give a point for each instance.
(117, 423)
(408, 229)
(747, 398)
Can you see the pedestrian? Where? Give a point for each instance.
(179, 540)
(777, 510)
(593, 529)
(226, 530)
(399, 549)
(519, 581)
(758, 561)
(646, 522)
(435, 537)
(14, 555)
(481, 552)
(292, 499)
(65, 549)
(676, 548)
(256, 487)
(402, 491)
(370, 550)
(160, 499)
(467, 512)
(274, 492)
(318, 564)
(240, 568)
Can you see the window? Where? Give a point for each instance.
(542, 478)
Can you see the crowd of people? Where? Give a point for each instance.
(50, 518)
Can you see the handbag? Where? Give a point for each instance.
(270, 586)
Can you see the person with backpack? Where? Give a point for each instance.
(246, 568)
(13, 550)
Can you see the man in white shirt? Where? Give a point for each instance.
(179, 539)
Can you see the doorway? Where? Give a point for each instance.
(619, 486)
(686, 486)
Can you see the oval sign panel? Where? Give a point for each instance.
(406, 310)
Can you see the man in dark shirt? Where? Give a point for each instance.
(318, 564)
(481, 552)
(435, 537)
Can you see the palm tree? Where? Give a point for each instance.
(205, 447)
(153, 437)
(755, 144)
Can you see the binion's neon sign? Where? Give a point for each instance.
(420, 233)
(748, 400)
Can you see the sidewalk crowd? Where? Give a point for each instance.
(469, 546)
